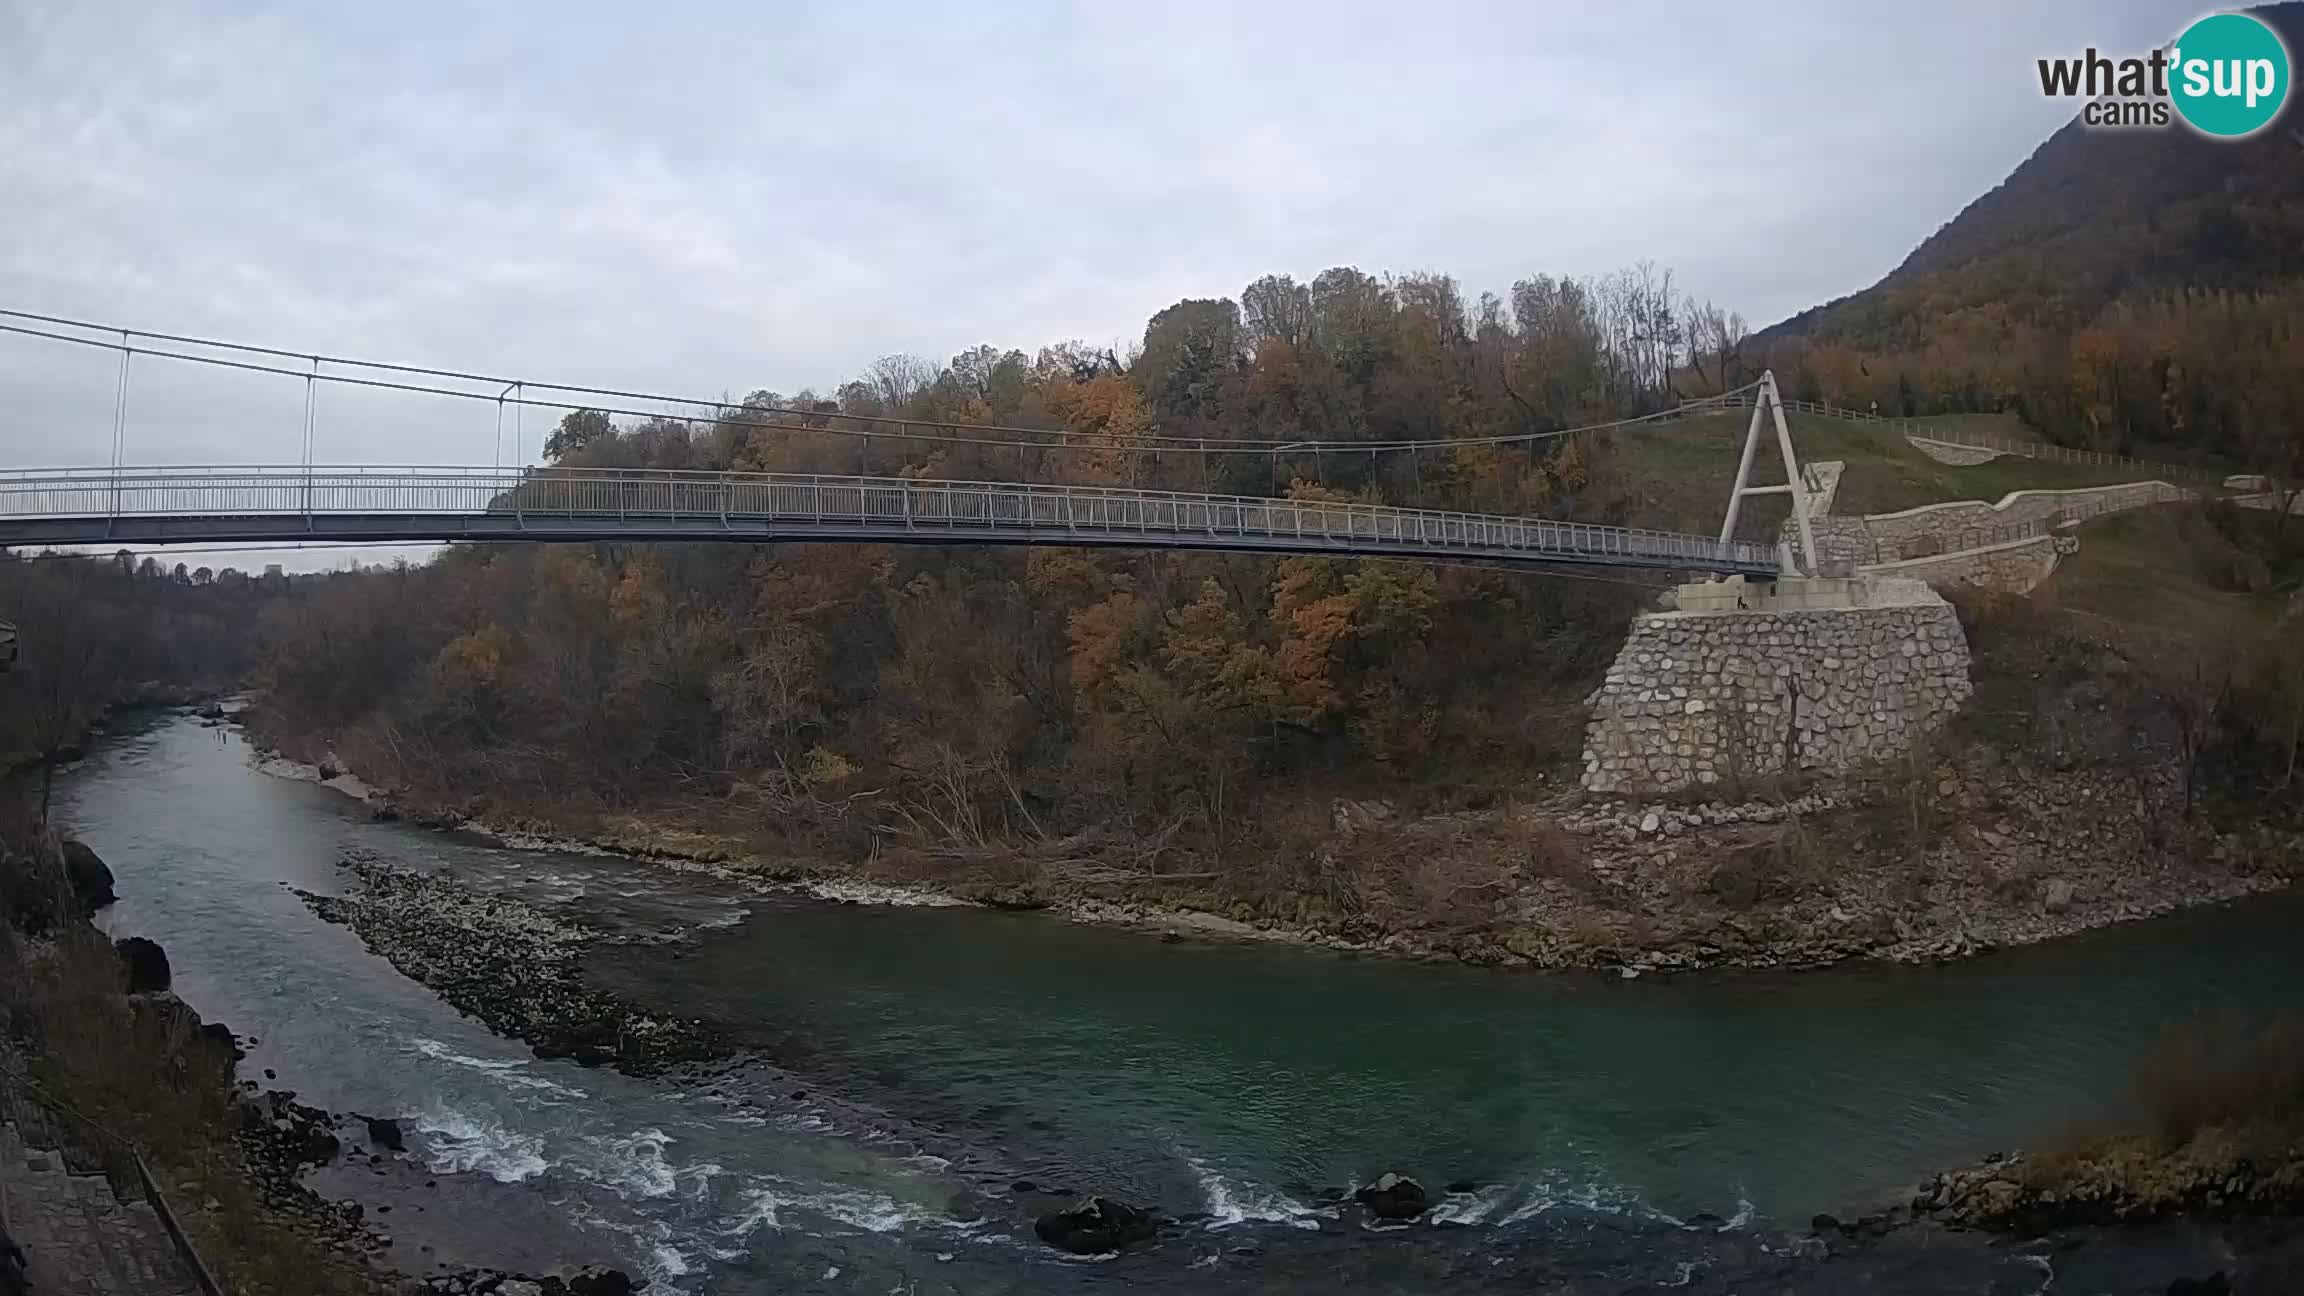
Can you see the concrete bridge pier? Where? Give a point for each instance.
(1747, 679)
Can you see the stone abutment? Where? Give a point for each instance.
(1747, 681)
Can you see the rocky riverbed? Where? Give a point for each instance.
(510, 965)
(2122, 1180)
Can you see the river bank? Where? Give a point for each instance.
(102, 1049)
(1960, 1227)
(948, 1056)
(1974, 852)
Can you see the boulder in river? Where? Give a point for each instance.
(1394, 1197)
(594, 1280)
(91, 881)
(146, 965)
(384, 1132)
(1095, 1226)
(219, 1037)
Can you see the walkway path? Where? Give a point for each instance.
(81, 1238)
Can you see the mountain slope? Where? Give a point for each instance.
(2092, 217)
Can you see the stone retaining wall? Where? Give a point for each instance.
(1967, 524)
(1695, 698)
(2016, 567)
(1843, 544)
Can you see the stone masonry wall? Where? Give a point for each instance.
(1842, 543)
(1969, 523)
(2016, 567)
(1695, 698)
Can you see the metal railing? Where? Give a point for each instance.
(541, 503)
(2042, 450)
(83, 1142)
(1744, 399)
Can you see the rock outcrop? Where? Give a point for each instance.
(144, 964)
(385, 1133)
(1394, 1197)
(90, 879)
(1095, 1227)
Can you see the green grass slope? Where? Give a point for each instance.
(1675, 475)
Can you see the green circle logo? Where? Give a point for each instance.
(2228, 74)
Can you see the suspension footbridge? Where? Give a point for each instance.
(158, 506)
(123, 504)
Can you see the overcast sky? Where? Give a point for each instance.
(719, 197)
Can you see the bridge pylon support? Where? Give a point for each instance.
(1768, 405)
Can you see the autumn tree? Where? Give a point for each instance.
(576, 431)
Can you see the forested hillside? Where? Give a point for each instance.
(96, 633)
(998, 694)
(1185, 711)
(2125, 289)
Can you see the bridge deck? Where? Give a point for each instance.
(210, 505)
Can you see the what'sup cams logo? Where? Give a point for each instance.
(2227, 77)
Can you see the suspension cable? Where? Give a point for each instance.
(775, 417)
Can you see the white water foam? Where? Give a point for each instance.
(1542, 1195)
(1232, 1202)
(870, 1211)
(508, 1071)
(633, 1164)
(760, 1208)
(666, 1262)
(660, 1260)
(770, 1199)
(460, 1144)
(1473, 1207)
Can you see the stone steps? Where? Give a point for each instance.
(81, 1237)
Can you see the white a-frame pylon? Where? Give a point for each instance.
(1765, 402)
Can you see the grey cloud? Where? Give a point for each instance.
(724, 196)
